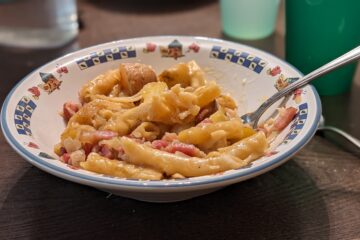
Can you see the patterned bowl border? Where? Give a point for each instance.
(106, 55)
(244, 59)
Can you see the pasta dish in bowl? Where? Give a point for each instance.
(133, 124)
(158, 126)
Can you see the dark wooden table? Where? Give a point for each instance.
(315, 195)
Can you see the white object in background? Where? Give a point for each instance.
(37, 23)
(249, 19)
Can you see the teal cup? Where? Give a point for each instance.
(248, 19)
(318, 31)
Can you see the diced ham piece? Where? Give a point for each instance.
(204, 122)
(170, 144)
(187, 149)
(284, 119)
(69, 109)
(87, 148)
(62, 151)
(106, 151)
(159, 144)
(65, 158)
(202, 114)
(206, 112)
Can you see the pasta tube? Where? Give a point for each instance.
(238, 156)
(102, 84)
(201, 135)
(116, 168)
(185, 74)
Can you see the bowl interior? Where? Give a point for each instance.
(32, 124)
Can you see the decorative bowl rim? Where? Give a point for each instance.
(108, 182)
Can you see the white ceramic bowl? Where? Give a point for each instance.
(32, 125)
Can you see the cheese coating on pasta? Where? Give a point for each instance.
(99, 164)
(135, 124)
(238, 155)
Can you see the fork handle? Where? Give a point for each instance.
(350, 138)
(348, 57)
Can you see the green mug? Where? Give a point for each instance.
(318, 31)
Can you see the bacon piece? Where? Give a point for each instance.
(284, 119)
(87, 148)
(202, 114)
(159, 144)
(206, 112)
(187, 149)
(204, 122)
(69, 109)
(65, 158)
(62, 151)
(105, 151)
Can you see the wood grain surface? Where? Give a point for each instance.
(315, 195)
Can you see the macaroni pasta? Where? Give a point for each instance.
(131, 123)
